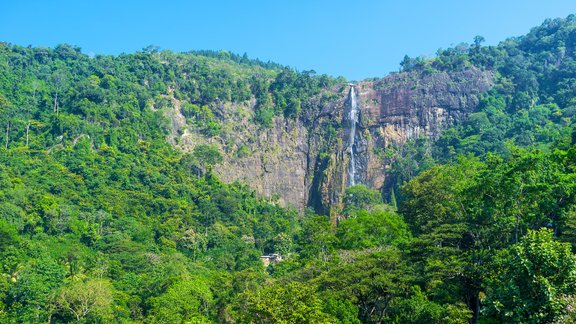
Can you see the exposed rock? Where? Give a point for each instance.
(272, 161)
(408, 105)
(303, 162)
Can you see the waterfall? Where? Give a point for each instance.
(353, 119)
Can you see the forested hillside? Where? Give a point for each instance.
(531, 104)
(103, 220)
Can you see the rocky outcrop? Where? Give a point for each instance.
(273, 161)
(304, 162)
(416, 104)
(395, 109)
(409, 105)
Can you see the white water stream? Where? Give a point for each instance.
(352, 137)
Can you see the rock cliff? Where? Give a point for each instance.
(303, 162)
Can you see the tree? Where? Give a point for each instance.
(532, 280)
(59, 81)
(478, 40)
(29, 298)
(409, 63)
(185, 301)
(194, 241)
(207, 155)
(377, 228)
(317, 239)
(436, 196)
(291, 302)
(85, 300)
(7, 110)
(371, 279)
(281, 244)
(8, 234)
(360, 197)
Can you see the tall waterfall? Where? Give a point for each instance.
(353, 119)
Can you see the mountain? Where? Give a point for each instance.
(150, 187)
(515, 91)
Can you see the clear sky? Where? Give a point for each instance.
(357, 39)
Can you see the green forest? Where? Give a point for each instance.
(103, 221)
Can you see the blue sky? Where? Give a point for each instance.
(356, 39)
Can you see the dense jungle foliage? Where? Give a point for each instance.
(102, 221)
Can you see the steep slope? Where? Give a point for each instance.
(285, 133)
(304, 161)
(98, 207)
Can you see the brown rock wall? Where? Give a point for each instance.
(296, 160)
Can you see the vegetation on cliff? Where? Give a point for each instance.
(101, 220)
(530, 105)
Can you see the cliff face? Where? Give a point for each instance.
(273, 161)
(304, 162)
(406, 105)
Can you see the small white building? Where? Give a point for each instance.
(274, 257)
